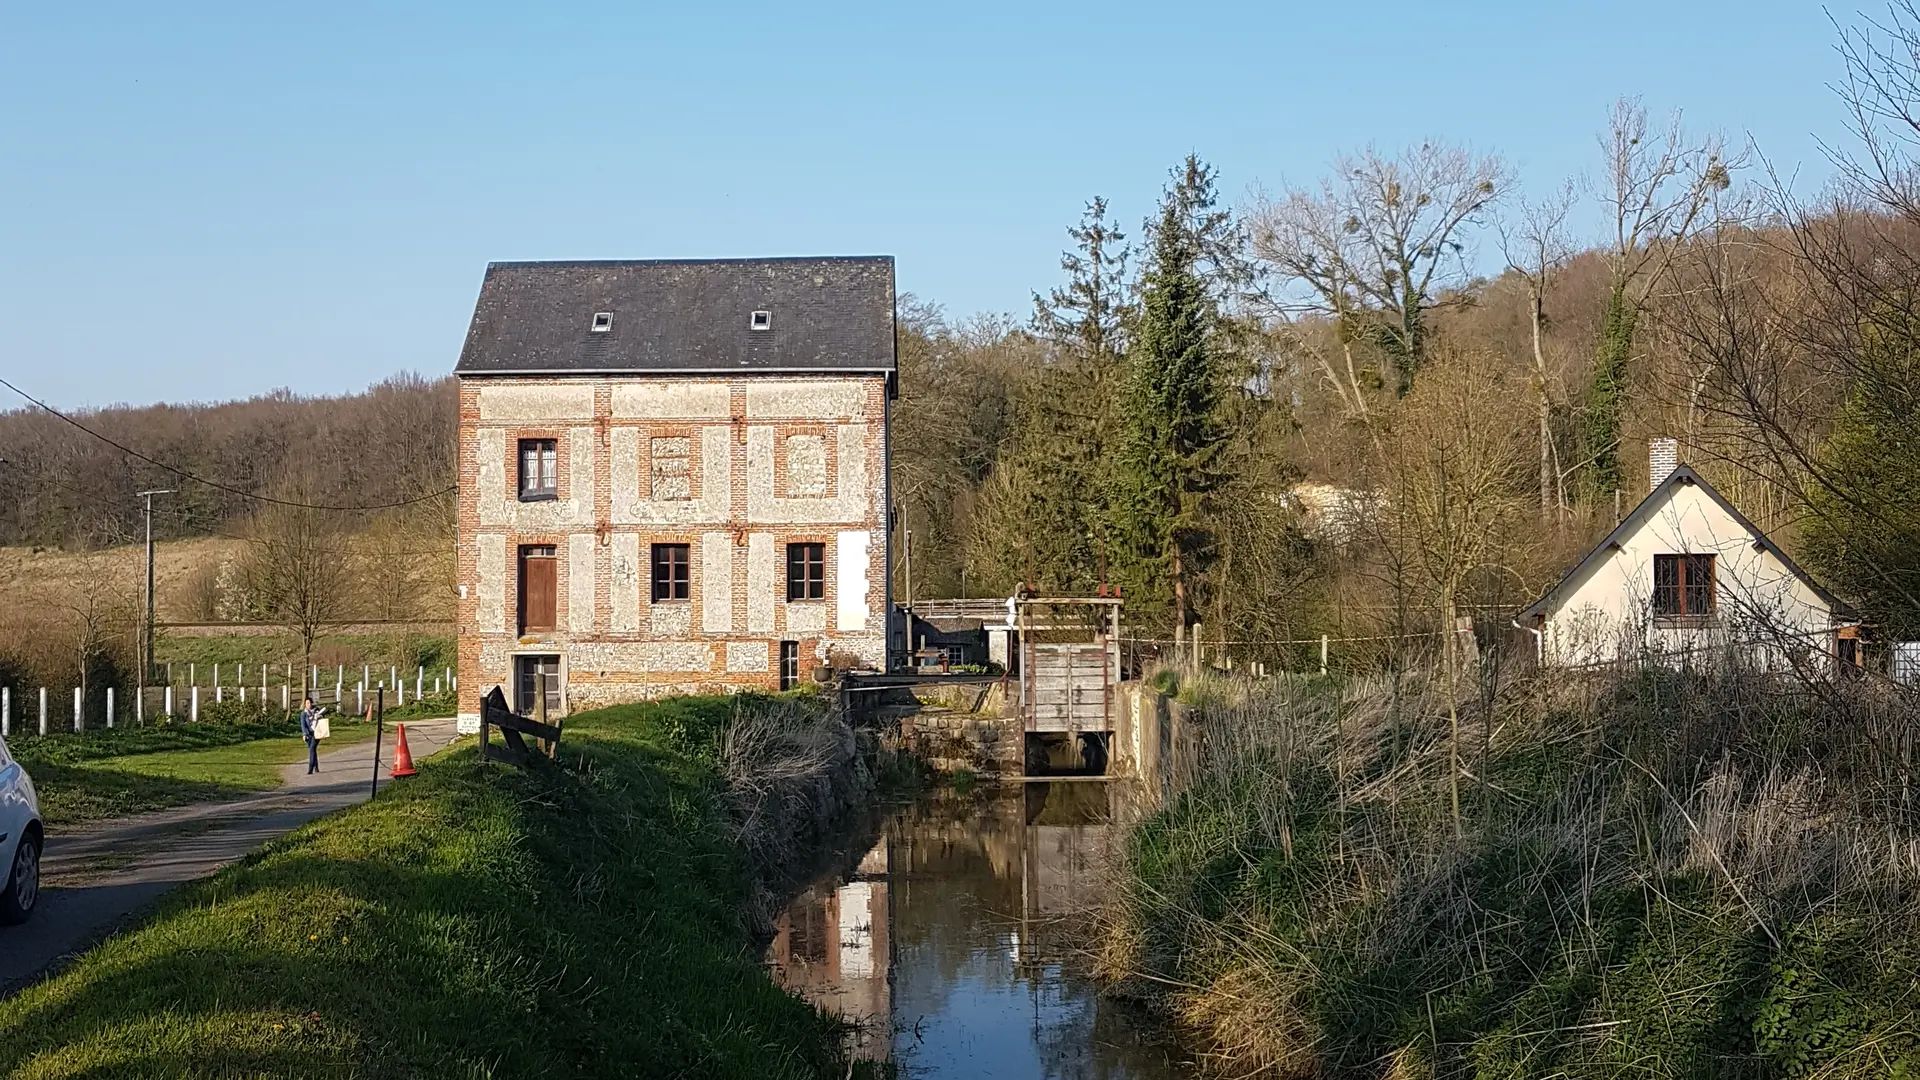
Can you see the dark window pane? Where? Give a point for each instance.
(1697, 598)
(1666, 585)
(789, 664)
(672, 576)
(806, 571)
(539, 468)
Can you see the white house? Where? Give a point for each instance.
(1685, 575)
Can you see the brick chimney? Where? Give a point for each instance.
(1663, 456)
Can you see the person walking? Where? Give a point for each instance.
(308, 717)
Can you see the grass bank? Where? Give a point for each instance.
(103, 773)
(581, 918)
(1650, 874)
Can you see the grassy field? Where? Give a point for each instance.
(380, 651)
(579, 919)
(102, 774)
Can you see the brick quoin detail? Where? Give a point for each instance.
(674, 653)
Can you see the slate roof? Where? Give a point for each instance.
(1652, 504)
(683, 316)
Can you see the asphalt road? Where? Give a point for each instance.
(99, 877)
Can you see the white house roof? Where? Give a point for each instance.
(1649, 506)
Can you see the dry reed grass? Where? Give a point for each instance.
(1667, 872)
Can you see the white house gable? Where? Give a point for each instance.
(1684, 574)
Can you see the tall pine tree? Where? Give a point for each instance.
(1172, 432)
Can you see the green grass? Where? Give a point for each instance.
(381, 651)
(575, 919)
(113, 773)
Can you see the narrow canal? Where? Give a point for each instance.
(955, 943)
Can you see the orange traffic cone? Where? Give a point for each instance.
(402, 757)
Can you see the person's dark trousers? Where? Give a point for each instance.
(313, 756)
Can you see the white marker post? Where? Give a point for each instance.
(109, 708)
(193, 705)
(43, 710)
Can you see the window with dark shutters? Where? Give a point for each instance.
(539, 588)
(1683, 585)
(806, 571)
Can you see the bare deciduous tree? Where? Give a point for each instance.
(1660, 189)
(297, 568)
(1373, 249)
(1537, 247)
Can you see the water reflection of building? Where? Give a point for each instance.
(833, 947)
(955, 937)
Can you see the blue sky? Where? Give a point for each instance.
(202, 201)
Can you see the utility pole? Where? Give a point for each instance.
(146, 671)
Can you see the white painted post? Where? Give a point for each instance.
(338, 691)
(109, 708)
(366, 674)
(243, 693)
(419, 676)
(283, 695)
(360, 699)
(216, 680)
(1198, 653)
(43, 710)
(219, 693)
(77, 705)
(193, 705)
(140, 705)
(6, 711)
(263, 683)
(436, 686)
(393, 676)
(1323, 654)
(400, 695)
(193, 677)
(169, 702)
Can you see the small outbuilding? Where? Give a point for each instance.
(1686, 576)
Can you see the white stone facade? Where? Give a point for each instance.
(735, 468)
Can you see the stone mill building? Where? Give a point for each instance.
(673, 476)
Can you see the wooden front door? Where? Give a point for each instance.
(539, 589)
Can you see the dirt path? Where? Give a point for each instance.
(96, 877)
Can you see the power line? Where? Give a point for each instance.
(185, 475)
(187, 518)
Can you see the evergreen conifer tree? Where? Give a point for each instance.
(1172, 428)
(1864, 530)
(1055, 481)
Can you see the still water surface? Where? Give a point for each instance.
(952, 942)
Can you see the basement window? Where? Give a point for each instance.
(760, 320)
(602, 321)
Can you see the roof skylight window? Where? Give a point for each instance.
(760, 320)
(602, 321)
